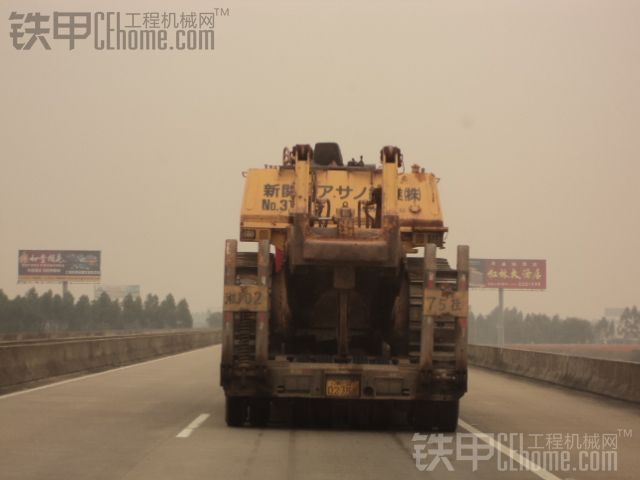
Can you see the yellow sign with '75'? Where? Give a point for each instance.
(440, 302)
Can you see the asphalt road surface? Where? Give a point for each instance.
(164, 419)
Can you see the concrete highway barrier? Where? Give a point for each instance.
(23, 363)
(33, 360)
(615, 379)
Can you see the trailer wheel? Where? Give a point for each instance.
(259, 411)
(381, 415)
(447, 415)
(440, 416)
(300, 412)
(321, 411)
(235, 411)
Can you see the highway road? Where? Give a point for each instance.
(164, 419)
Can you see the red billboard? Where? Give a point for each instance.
(508, 273)
(59, 266)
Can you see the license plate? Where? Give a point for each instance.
(342, 387)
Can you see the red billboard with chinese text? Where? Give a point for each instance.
(508, 273)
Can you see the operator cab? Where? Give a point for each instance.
(327, 154)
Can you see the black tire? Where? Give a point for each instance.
(321, 413)
(436, 416)
(422, 416)
(235, 411)
(300, 413)
(381, 415)
(361, 415)
(259, 412)
(447, 415)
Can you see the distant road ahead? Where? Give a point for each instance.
(165, 420)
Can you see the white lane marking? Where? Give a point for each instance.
(525, 462)
(193, 425)
(91, 375)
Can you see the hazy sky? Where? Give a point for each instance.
(529, 112)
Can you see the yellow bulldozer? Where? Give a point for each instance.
(344, 313)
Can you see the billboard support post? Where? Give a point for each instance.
(65, 287)
(501, 317)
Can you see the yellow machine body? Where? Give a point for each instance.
(336, 306)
